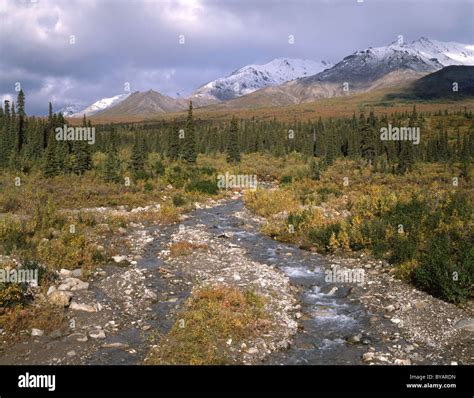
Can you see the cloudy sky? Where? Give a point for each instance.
(78, 51)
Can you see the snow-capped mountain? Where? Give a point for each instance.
(96, 107)
(70, 110)
(447, 53)
(254, 77)
(422, 55)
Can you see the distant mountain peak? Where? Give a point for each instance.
(250, 78)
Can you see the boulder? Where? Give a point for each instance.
(60, 298)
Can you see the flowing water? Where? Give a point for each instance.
(327, 318)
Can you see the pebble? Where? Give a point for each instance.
(37, 332)
(99, 334)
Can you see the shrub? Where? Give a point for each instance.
(446, 267)
(204, 186)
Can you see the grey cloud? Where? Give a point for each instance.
(137, 41)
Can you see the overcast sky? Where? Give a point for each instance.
(138, 41)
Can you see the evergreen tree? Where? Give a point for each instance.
(20, 141)
(406, 158)
(233, 150)
(137, 160)
(50, 163)
(189, 152)
(173, 142)
(112, 166)
(367, 143)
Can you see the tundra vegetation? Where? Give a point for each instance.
(339, 188)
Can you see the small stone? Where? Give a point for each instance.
(119, 259)
(71, 353)
(402, 362)
(82, 307)
(37, 332)
(368, 357)
(80, 286)
(51, 290)
(229, 342)
(99, 334)
(64, 272)
(77, 273)
(252, 350)
(60, 298)
(454, 363)
(115, 345)
(395, 320)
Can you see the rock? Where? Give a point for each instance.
(98, 334)
(64, 272)
(355, 339)
(71, 353)
(82, 307)
(395, 320)
(80, 286)
(368, 357)
(37, 332)
(51, 290)
(389, 308)
(252, 350)
(77, 273)
(454, 363)
(298, 315)
(122, 231)
(465, 324)
(73, 284)
(60, 298)
(115, 345)
(119, 259)
(150, 295)
(402, 362)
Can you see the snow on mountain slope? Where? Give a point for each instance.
(422, 55)
(96, 107)
(254, 77)
(69, 110)
(447, 53)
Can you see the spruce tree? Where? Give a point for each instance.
(233, 150)
(112, 166)
(173, 142)
(367, 143)
(137, 160)
(20, 140)
(189, 153)
(50, 162)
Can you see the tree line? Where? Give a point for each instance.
(28, 142)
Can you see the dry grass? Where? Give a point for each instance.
(44, 317)
(183, 248)
(212, 316)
